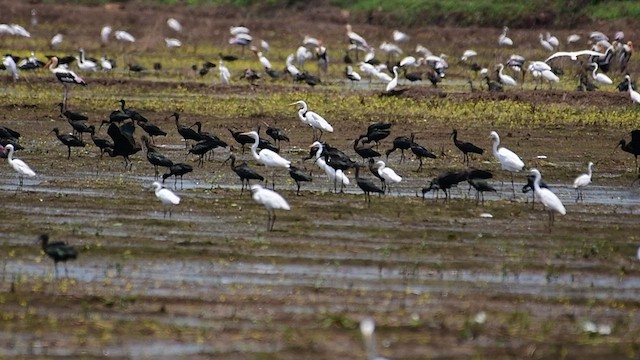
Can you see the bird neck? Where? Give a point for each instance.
(254, 148)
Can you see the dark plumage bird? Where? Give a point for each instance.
(367, 186)
(465, 147)
(133, 114)
(136, 68)
(298, 175)
(58, 251)
(151, 129)
(155, 157)
(251, 76)
(176, 170)
(413, 76)
(481, 187)
(364, 151)
(227, 57)
(633, 146)
(420, 152)
(277, 135)
(204, 70)
(6, 133)
(375, 135)
(207, 136)
(493, 86)
(68, 140)
(445, 182)
(307, 78)
(124, 143)
(101, 143)
(623, 86)
(70, 115)
(186, 132)
(80, 127)
(201, 148)
(401, 142)
(244, 172)
(240, 138)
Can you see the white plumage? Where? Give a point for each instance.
(582, 181)
(503, 40)
(391, 85)
(388, 174)
(545, 44)
(312, 119)
(104, 34)
(509, 161)
(550, 201)
(335, 176)
(124, 36)
(225, 74)
(574, 54)
(634, 95)
(166, 197)
(600, 77)
(10, 64)
(266, 157)
(174, 24)
(18, 165)
(270, 200)
(467, 54)
(56, 40)
(172, 42)
(505, 79)
(399, 36)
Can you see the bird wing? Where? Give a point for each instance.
(319, 121)
(558, 54)
(272, 158)
(551, 201)
(635, 136)
(23, 168)
(167, 196)
(511, 158)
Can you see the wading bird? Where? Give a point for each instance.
(550, 201)
(267, 157)
(420, 152)
(270, 200)
(312, 119)
(186, 132)
(465, 147)
(481, 187)
(367, 186)
(65, 76)
(58, 251)
(154, 157)
(388, 175)
(244, 172)
(298, 175)
(600, 77)
(509, 161)
(401, 142)
(166, 197)
(367, 328)
(529, 187)
(581, 181)
(634, 95)
(68, 140)
(179, 169)
(632, 147)
(18, 165)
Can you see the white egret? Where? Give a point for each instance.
(383, 76)
(574, 54)
(237, 30)
(166, 197)
(271, 200)
(600, 77)
(174, 24)
(399, 36)
(390, 49)
(634, 95)
(391, 85)
(335, 176)
(225, 74)
(267, 157)
(550, 201)
(573, 38)
(367, 328)
(86, 64)
(56, 40)
(312, 119)
(581, 181)
(467, 54)
(104, 34)
(20, 31)
(10, 64)
(503, 40)
(509, 161)
(545, 44)
(172, 43)
(263, 59)
(552, 40)
(124, 36)
(105, 64)
(388, 175)
(18, 165)
(291, 68)
(505, 79)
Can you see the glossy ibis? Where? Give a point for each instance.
(186, 132)
(244, 172)
(124, 143)
(151, 129)
(465, 147)
(632, 147)
(298, 175)
(364, 151)
(420, 151)
(481, 187)
(401, 142)
(154, 157)
(58, 251)
(366, 185)
(179, 169)
(68, 140)
(101, 143)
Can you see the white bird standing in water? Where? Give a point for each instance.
(389, 176)
(583, 180)
(550, 201)
(367, 328)
(271, 200)
(509, 161)
(394, 82)
(18, 165)
(312, 119)
(503, 40)
(166, 197)
(267, 157)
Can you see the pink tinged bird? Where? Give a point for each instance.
(65, 76)
(18, 165)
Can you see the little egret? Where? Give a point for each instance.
(509, 161)
(503, 39)
(271, 200)
(166, 197)
(267, 157)
(581, 181)
(388, 175)
(600, 77)
(505, 79)
(58, 251)
(312, 119)
(550, 201)
(18, 165)
(394, 82)
(634, 95)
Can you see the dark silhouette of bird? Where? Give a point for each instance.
(420, 152)
(413, 76)
(365, 152)
(481, 187)
(529, 187)
(154, 157)
(136, 68)
(307, 78)
(623, 86)
(298, 175)
(367, 186)
(204, 70)
(210, 138)
(101, 143)
(376, 132)
(124, 143)
(201, 148)
(70, 115)
(179, 169)
(133, 114)
(151, 129)
(445, 182)
(186, 132)
(633, 146)
(401, 142)
(493, 86)
(6, 132)
(68, 140)
(227, 57)
(240, 138)
(465, 147)
(80, 127)
(277, 135)
(251, 76)
(58, 251)
(244, 172)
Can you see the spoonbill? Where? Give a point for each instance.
(509, 161)
(166, 197)
(270, 200)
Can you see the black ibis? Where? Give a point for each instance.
(401, 142)
(367, 186)
(186, 132)
(179, 169)
(70, 115)
(80, 127)
(277, 135)
(58, 251)
(481, 187)
(124, 143)
(633, 146)
(101, 143)
(244, 172)
(420, 152)
(298, 175)
(445, 182)
(133, 114)
(155, 157)
(364, 151)
(465, 147)
(151, 129)
(241, 138)
(68, 140)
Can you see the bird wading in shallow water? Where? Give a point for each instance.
(166, 197)
(271, 200)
